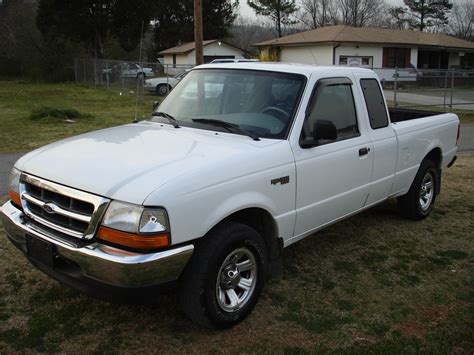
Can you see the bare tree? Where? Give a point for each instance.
(359, 13)
(318, 13)
(384, 18)
(398, 18)
(461, 21)
(245, 32)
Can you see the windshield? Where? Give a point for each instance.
(259, 102)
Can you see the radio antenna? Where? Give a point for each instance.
(141, 74)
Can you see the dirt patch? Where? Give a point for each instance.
(436, 313)
(411, 328)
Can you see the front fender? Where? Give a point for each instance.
(235, 204)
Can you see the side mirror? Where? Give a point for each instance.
(324, 129)
(155, 105)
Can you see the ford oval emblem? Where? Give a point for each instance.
(49, 208)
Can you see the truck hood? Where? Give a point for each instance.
(129, 162)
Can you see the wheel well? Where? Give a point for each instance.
(263, 222)
(435, 156)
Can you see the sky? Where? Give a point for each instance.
(246, 11)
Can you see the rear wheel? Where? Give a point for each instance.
(225, 277)
(419, 201)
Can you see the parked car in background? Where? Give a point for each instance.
(162, 86)
(129, 70)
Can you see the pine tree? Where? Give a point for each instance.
(174, 21)
(92, 22)
(424, 14)
(279, 11)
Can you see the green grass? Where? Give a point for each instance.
(375, 283)
(465, 116)
(32, 114)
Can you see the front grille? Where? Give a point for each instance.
(67, 210)
(67, 203)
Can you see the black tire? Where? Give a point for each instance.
(163, 89)
(411, 205)
(199, 287)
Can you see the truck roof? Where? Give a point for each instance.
(305, 69)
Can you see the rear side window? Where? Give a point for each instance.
(374, 101)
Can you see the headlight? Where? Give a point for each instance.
(14, 186)
(123, 216)
(135, 226)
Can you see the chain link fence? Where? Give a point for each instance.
(437, 89)
(141, 77)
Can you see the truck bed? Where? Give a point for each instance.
(406, 114)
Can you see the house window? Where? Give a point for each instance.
(394, 57)
(356, 61)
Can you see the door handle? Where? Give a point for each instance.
(364, 151)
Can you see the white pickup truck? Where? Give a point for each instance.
(237, 163)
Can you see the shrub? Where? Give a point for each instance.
(64, 113)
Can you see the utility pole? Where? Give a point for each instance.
(198, 31)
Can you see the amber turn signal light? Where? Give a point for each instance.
(15, 198)
(134, 240)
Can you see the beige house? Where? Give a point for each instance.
(184, 55)
(380, 49)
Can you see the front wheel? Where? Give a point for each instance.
(419, 201)
(224, 279)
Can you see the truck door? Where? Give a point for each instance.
(333, 175)
(385, 146)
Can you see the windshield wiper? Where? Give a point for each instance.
(231, 127)
(170, 118)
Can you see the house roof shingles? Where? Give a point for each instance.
(348, 34)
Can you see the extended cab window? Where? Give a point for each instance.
(374, 101)
(334, 103)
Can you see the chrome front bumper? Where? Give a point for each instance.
(101, 263)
